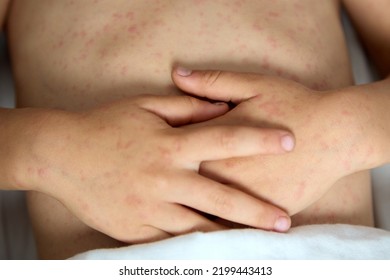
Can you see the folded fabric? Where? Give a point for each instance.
(300, 243)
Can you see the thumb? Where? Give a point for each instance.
(182, 110)
(216, 85)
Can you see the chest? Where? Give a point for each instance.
(92, 46)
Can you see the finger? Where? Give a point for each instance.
(222, 142)
(180, 110)
(178, 220)
(228, 203)
(217, 85)
(144, 234)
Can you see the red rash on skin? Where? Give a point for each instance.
(257, 27)
(273, 14)
(41, 172)
(346, 113)
(133, 200)
(324, 146)
(133, 29)
(265, 62)
(124, 70)
(272, 41)
(230, 163)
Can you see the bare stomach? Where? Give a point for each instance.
(74, 55)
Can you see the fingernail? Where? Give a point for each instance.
(219, 103)
(184, 72)
(287, 142)
(282, 224)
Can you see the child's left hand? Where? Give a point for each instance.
(331, 139)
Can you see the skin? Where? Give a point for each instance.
(323, 155)
(66, 57)
(103, 175)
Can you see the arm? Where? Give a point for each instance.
(338, 133)
(3, 12)
(372, 21)
(127, 170)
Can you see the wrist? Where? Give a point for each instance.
(33, 141)
(365, 109)
(17, 131)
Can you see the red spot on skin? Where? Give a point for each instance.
(273, 14)
(117, 15)
(123, 145)
(106, 27)
(295, 78)
(133, 29)
(83, 34)
(158, 55)
(159, 22)
(83, 56)
(41, 172)
(130, 15)
(124, 70)
(89, 42)
(324, 146)
(272, 41)
(238, 3)
(265, 62)
(133, 200)
(279, 72)
(230, 163)
(346, 113)
(257, 27)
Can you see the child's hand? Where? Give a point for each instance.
(127, 170)
(330, 139)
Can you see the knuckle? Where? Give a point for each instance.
(162, 184)
(223, 204)
(191, 104)
(209, 78)
(177, 143)
(227, 139)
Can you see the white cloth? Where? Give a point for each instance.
(300, 243)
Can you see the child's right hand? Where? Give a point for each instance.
(128, 170)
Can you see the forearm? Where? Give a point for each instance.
(370, 105)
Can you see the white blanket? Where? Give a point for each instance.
(300, 243)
